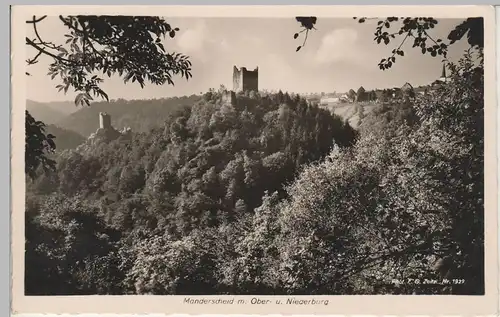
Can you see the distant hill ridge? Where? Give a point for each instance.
(47, 112)
(144, 115)
(65, 139)
(139, 115)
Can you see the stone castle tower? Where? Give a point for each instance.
(104, 120)
(229, 97)
(443, 74)
(444, 78)
(245, 80)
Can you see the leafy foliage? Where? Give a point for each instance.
(128, 46)
(271, 195)
(209, 168)
(69, 249)
(388, 208)
(416, 29)
(307, 24)
(36, 145)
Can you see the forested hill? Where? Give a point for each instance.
(44, 112)
(225, 156)
(64, 139)
(208, 168)
(255, 198)
(139, 115)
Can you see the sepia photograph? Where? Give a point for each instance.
(261, 156)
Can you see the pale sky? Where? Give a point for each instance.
(338, 56)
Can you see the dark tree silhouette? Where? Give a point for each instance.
(269, 194)
(416, 29)
(37, 145)
(129, 46)
(98, 46)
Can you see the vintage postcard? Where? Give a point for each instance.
(254, 159)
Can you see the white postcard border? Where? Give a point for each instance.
(142, 304)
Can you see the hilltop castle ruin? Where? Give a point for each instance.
(105, 133)
(104, 120)
(245, 80)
